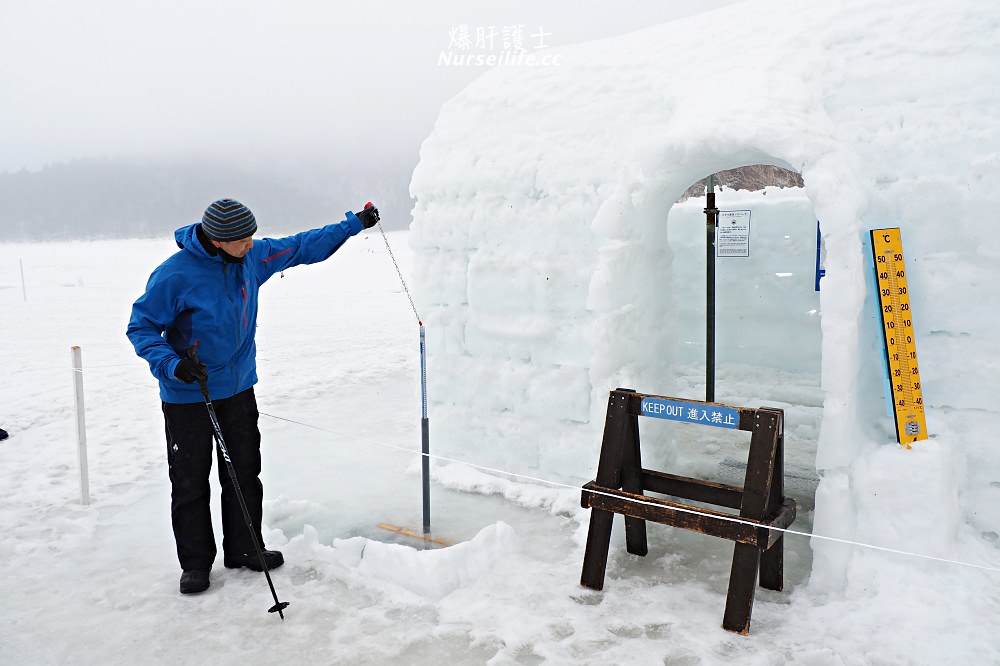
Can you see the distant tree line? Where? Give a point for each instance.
(105, 198)
(753, 177)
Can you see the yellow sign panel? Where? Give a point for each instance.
(897, 332)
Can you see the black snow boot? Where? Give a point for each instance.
(194, 580)
(273, 558)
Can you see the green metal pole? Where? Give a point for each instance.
(711, 224)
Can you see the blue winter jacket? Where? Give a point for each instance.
(197, 299)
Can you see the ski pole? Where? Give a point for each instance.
(278, 606)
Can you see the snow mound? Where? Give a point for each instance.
(548, 273)
(432, 574)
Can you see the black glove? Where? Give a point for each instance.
(189, 372)
(369, 216)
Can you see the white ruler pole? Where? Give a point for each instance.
(24, 292)
(81, 425)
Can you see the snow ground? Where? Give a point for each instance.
(337, 343)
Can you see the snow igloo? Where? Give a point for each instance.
(546, 273)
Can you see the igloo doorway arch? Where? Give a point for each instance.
(767, 311)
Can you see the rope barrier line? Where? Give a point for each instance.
(680, 509)
(733, 519)
(86, 367)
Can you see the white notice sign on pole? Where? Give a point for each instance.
(732, 238)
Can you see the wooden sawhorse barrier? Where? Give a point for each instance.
(621, 483)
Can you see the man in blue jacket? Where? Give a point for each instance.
(205, 296)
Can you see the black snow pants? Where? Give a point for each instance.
(189, 455)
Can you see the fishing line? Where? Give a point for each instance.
(425, 471)
(400, 274)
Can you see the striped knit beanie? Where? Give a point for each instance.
(228, 220)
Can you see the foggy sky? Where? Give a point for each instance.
(259, 81)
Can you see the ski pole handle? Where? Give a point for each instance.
(192, 353)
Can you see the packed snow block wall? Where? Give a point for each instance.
(546, 278)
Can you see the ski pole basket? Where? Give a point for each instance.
(621, 485)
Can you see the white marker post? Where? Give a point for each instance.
(81, 425)
(24, 292)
